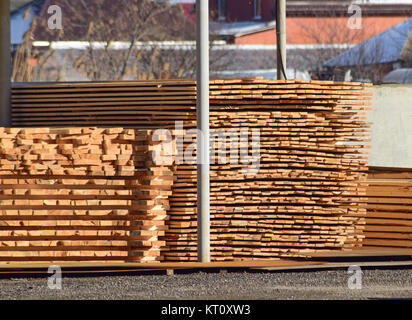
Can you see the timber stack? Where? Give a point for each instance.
(81, 194)
(298, 184)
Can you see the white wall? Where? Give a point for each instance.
(391, 119)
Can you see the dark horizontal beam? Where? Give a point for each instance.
(307, 8)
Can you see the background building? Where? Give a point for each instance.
(243, 34)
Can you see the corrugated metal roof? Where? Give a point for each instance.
(403, 76)
(382, 48)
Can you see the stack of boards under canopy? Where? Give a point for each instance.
(308, 192)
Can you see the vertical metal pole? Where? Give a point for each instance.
(203, 176)
(281, 39)
(5, 64)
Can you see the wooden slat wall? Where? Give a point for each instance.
(81, 194)
(309, 191)
(389, 204)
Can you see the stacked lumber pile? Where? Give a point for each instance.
(389, 208)
(81, 194)
(308, 193)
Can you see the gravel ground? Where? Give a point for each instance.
(376, 284)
